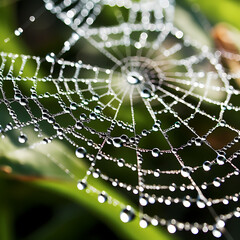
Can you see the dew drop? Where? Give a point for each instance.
(216, 233)
(127, 214)
(143, 201)
(198, 142)
(200, 203)
(145, 93)
(96, 173)
(73, 106)
(217, 182)
(134, 78)
(155, 152)
(156, 173)
(117, 142)
(143, 223)
(82, 184)
(186, 202)
(207, 166)
(177, 124)
(120, 162)
(97, 109)
(102, 197)
(95, 97)
(81, 152)
(171, 228)
(22, 138)
(50, 57)
(186, 171)
(220, 159)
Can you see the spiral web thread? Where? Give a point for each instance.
(125, 120)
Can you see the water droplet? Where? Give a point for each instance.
(216, 233)
(120, 162)
(78, 125)
(154, 222)
(117, 142)
(143, 201)
(177, 124)
(200, 203)
(198, 142)
(186, 171)
(95, 97)
(156, 173)
(18, 32)
(50, 57)
(207, 166)
(82, 184)
(127, 214)
(155, 152)
(220, 159)
(96, 173)
(217, 182)
(22, 138)
(186, 202)
(220, 223)
(102, 197)
(92, 116)
(143, 223)
(83, 117)
(81, 152)
(171, 228)
(73, 106)
(145, 93)
(97, 109)
(194, 230)
(134, 78)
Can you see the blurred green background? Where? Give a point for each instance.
(34, 203)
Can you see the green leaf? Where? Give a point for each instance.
(219, 10)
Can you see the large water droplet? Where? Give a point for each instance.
(155, 152)
(134, 78)
(127, 214)
(81, 152)
(22, 138)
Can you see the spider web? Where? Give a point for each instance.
(159, 123)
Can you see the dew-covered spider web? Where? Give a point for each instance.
(159, 121)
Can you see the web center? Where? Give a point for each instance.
(134, 78)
